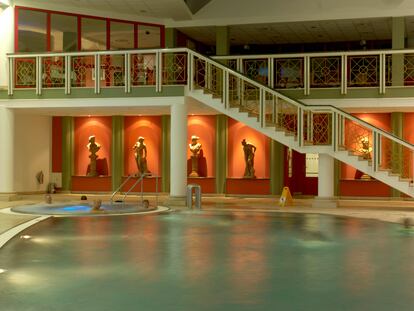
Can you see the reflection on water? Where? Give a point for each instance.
(209, 261)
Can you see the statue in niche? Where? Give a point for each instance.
(93, 148)
(249, 152)
(141, 156)
(195, 148)
(365, 151)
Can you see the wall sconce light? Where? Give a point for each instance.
(4, 4)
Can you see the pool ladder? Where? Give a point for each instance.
(139, 180)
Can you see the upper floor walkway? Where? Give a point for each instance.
(377, 74)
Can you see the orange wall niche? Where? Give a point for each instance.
(101, 127)
(380, 120)
(205, 128)
(148, 127)
(236, 133)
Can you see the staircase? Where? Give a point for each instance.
(304, 128)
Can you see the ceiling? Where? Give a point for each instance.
(245, 32)
(303, 32)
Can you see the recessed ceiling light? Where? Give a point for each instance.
(26, 237)
(2, 271)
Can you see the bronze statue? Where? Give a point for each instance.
(195, 148)
(365, 150)
(93, 148)
(249, 151)
(141, 156)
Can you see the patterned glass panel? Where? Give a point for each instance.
(142, 69)
(287, 116)
(409, 69)
(83, 71)
(325, 72)
(25, 75)
(200, 70)
(251, 99)
(289, 73)
(363, 71)
(358, 139)
(112, 70)
(256, 69)
(321, 128)
(53, 72)
(174, 68)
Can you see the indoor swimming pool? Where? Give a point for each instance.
(209, 261)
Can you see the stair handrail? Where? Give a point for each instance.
(140, 179)
(119, 188)
(300, 104)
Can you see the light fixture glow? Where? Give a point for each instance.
(4, 4)
(26, 237)
(2, 271)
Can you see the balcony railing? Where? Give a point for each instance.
(335, 70)
(97, 70)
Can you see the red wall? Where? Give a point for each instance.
(56, 144)
(101, 127)
(205, 128)
(150, 128)
(86, 183)
(236, 133)
(408, 131)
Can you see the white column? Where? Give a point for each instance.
(178, 179)
(326, 176)
(6, 150)
(7, 42)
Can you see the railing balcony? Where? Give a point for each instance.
(334, 70)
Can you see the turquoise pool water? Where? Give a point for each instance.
(209, 261)
(75, 209)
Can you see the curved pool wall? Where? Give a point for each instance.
(79, 208)
(209, 261)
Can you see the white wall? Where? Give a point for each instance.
(32, 151)
(7, 41)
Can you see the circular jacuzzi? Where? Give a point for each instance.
(83, 209)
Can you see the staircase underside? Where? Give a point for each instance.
(289, 140)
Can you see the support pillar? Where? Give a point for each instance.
(337, 177)
(326, 178)
(67, 152)
(276, 167)
(221, 153)
(178, 154)
(397, 126)
(398, 42)
(326, 182)
(222, 40)
(117, 151)
(7, 42)
(165, 153)
(170, 38)
(6, 152)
